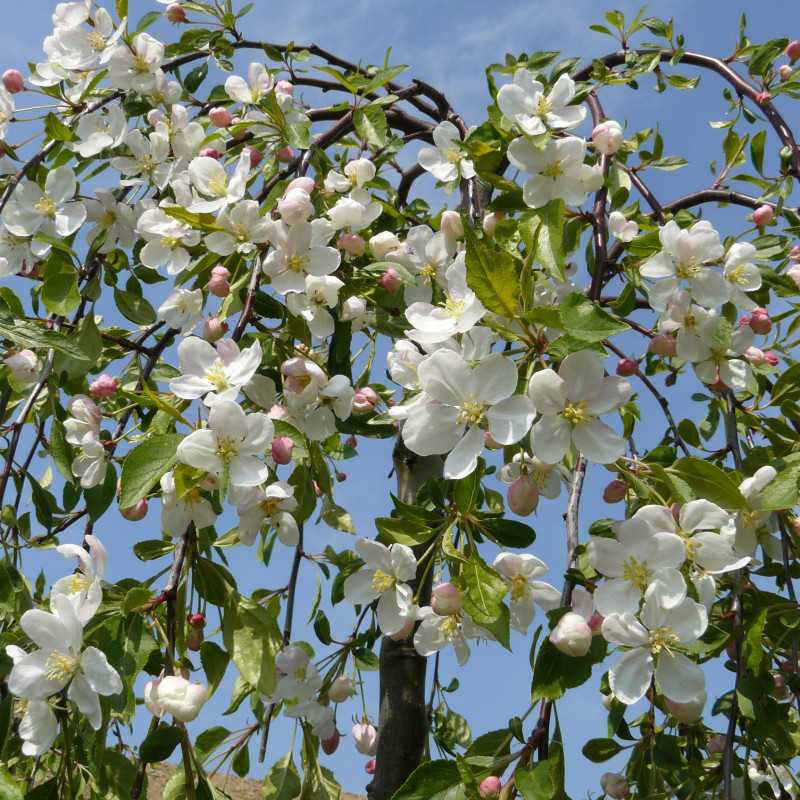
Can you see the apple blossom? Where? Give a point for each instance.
(179, 697)
(341, 689)
(282, 447)
(83, 589)
(490, 787)
(446, 161)
(446, 599)
(136, 512)
(521, 573)
(356, 174)
(167, 241)
(570, 403)
(321, 294)
(526, 105)
(545, 477)
(271, 505)
(365, 738)
(103, 386)
(625, 230)
(24, 366)
(385, 579)
(382, 243)
(352, 244)
(742, 274)
(252, 90)
(182, 310)
(615, 785)
(608, 137)
(523, 496)
(99, 131)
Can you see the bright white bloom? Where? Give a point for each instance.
(424, 254)
(59, 662)
(295, 206)
(751, 525)
(136, 69)
(251, 91)
(685, 256)
(356, 174)
(573, 634)
(299, 251)
(721, 363)
(7, 110)
(521, 573)
(570, 402)
(356, 211)
(355, 311)
(742, 274)
(243, 229)
(84, 589)
(334, 400)
(185, 136)
(546, 477)
(694, 324)
(90, 462)
(525, 103)
(436, 632)
(17, 252)
(24, 366)
(52, 211)
(625, 230)
(148, 162)
(114, 221)
(655, 643)
(365, 738)
(459, 312)
(461, 402)
(209, 177)
(300, 679)
(446, 162)
(217, 371)
(178, 513)
(38, 727)
(167, 239)
(384, 578)
(403, 361)
(321, 293)
(557, 171)
(183, 309)
(75, 48)
(99, 131)
(230, 444)
(177, 696)
(272, 504)
(85, 418)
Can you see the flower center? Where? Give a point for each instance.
(662, 639)
(46, 206)
(688, 269)
(575, 413)
(553, 170)
(737, 275)
(471, 412)
(543, 106)
(453, 155)
(635, 572)
(519, 588)
(97, 41)
(170, 242)
(218, 186)
(146, 163)
(217, 375)
(60, 666)
(454, 307)
(140, 64)
(450, 627)
(269, 506)
(296, 263)
(79, 583)
(227, 449)
(382, 582)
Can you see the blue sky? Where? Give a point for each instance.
(448, 43)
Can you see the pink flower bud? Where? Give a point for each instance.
(282, 447)
(793, 273)
(331, 744)
(305, 184)
(13, 81)
(716, 744)
(218, 282)
(284, 87)
(627, 367)
(341, 689)
(523, 496)
(255, 156)
(194, 639)
(615, 785)
(788, 667)
(490, 221)
(175, 13)
(770, 358)
(366, 738)
(210, 152)
(369, 767)
(352, 244)
(760, 321)
(490, 787)
(220, 116)
(214, 328)
(662, 344)
(489, 443)
(755, 356)
(675, 510)
(284, 155)
(351, 441)
(317, 490)
(572, 635)
(341, 477)
(608, 137)
(391, 280)
(596, 623)
(686, 712)
(446, 599)
(762, 97)
(103, 386)
(615, 491)
(196, 620)
(451, 224)
(793, 50)
(785, 72)
(404, 632)
(365, 399)
(763, 215)
(135, 512)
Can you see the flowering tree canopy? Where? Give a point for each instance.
(220, 279)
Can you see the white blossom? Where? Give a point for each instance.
(177, 513)
(84, 588)
(299, 251)
(100, 131)
(742, 274)
(251, 91)
(623, 229)
(167, 239)
(183, 309)
(521, 572)
(530, 109)
(136, 68)
(243, 228)
(446, 161)
(209, 177)
(273, 504)
(321, 293)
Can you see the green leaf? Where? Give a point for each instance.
(212, 581)
(545, 780)
(492, 274)
(145, 465)
(160, 744)
(215, 661)
(509, 532)
(432, 780)
(134, 307)
(554, 672)
(255, 644)
(782, 492)
(668, 163)
(403, 531)
(550, 238)
(710, 482)
(27, 334)
(370, 124)
(61, 451)
(585, 320)
(209, 740)
(757, 151)
(150, 549)
(193, 80)
(484, 590)
(56, 129)
(135, 598)
(60, 288)
(99, 498)
(282, 782)
(599, 750)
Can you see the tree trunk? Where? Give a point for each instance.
(403, 723)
